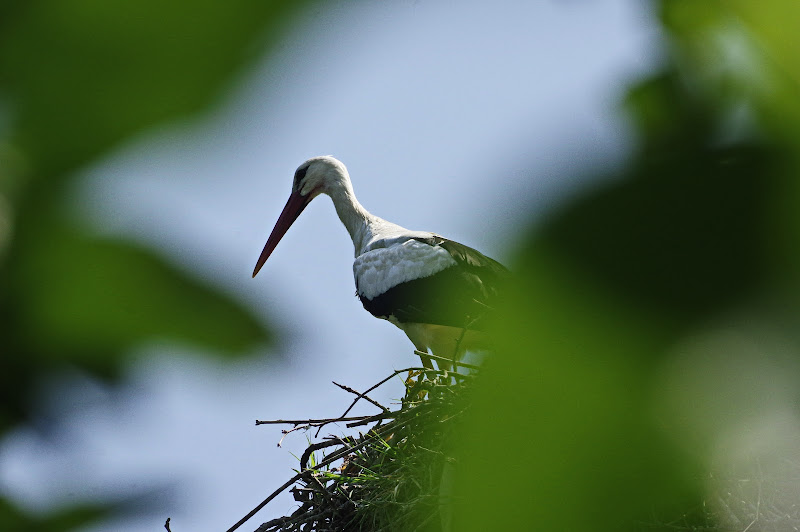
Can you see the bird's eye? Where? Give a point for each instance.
(300, 174)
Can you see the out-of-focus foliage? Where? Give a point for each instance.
(77, 77)
(81, 75)
(68, 519)
(650, 354)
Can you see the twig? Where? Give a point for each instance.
(319, 423)
(311, 478)
(313, 422)
(364, 395)
(393, 375)
(300, 518)
(358, 396)
(263, 503)
(287, 432)
(315, 447)
(370, 419)
(279, 522)
(305, 424)
(448, 360)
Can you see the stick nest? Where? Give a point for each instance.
(389, 477)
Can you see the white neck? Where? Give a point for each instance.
(366, 230)
(354, 216)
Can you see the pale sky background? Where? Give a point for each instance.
(442, 112)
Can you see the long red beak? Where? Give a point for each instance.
(291, 211)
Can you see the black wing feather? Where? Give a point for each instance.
(463, 295)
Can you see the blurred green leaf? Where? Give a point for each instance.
(774, 23)
(700, 225)
(81, 75)
(73, 518)
(95, 297)
(743, 56)
(681, 235)
(77, 78)
(562, 436)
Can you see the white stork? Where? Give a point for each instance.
(439, 292)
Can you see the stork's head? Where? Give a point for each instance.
(318, 175)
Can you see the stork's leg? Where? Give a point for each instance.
(458, 352)
(444, 366)
(426, 361)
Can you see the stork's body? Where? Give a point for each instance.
(439, 292)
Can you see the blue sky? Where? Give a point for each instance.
(469, 119)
